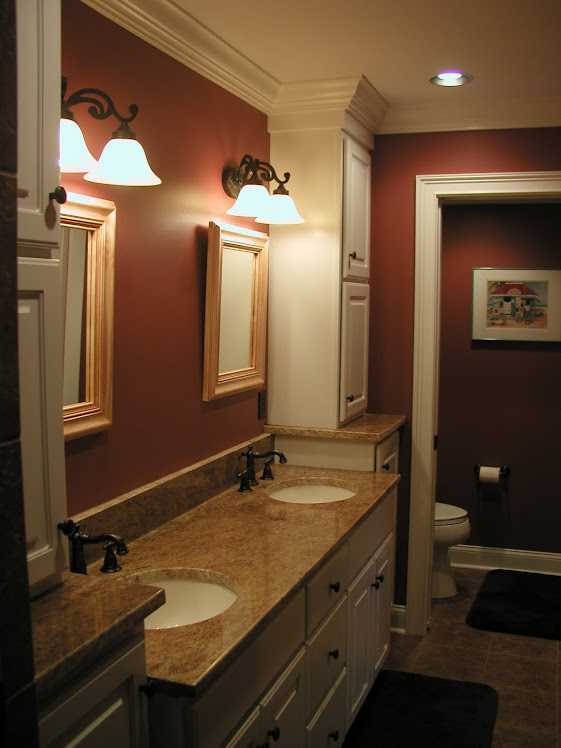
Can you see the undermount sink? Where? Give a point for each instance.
(310, 493)
(192, 596)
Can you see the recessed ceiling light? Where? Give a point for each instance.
(450, 78)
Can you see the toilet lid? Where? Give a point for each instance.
(446, 514)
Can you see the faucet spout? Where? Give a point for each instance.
(79, 539)
(251, 456)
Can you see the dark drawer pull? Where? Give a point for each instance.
(334, 653)
(334, 736)
(275, 734)
(386, 466)
(335, 586)
(350, 398)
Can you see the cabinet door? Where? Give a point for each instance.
(249, 734)
(328, 726)
(38, 63)
(283, 708)
(104, 708)
(353, 397)
(356, 210)
(360, 640)
(42, 441)
(387, 454)
(382, 590)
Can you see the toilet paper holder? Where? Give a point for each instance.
(504, 471)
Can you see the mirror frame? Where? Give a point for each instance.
(98, 218)
(220, 384)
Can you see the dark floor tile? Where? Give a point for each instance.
(527, 673)
(526, 711)
(447, 632)
(448, 662)
(511, 738)
(403, 652)
(524, 646)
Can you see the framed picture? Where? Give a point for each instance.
(516, 304)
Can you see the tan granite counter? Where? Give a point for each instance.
(369, 427)
(265, 550)
(82, 620)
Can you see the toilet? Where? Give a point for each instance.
(451, 526)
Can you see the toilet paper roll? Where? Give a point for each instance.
(489, 474)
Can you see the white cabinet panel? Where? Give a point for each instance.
(360, 639)
(356, 210)
(327, 728)
(387, 454)
(39, 74)
(354, 350)
(283, 708)
(42, 441)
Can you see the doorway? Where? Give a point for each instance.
(432, 192)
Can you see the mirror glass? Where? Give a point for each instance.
(235, 311)
(87, 259)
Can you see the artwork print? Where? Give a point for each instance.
(516, 304)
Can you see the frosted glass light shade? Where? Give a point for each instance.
(280, 209)
(251, 201)
(74, 155)
(123, 161)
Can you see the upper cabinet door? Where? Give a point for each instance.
(354, 350)
(356, 210)
(38, 64)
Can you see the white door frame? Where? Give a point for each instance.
(431, 193)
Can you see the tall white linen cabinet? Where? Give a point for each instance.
(319, 271)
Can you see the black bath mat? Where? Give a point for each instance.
(518, 602)
(407, 710)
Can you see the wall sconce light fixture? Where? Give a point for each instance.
(246, 183)
(123, 160)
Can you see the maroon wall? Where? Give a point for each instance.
(396, 161)
(499, 403)
(190, 128)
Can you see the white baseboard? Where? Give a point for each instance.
(398, 619)
(478, 557)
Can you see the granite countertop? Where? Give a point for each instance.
(79, 621)
(263, 549)
(369, 427)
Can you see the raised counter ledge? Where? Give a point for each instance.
(369, 427)
(79, 622)
(266, 549)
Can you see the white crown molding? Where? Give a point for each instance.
(172, 30)
(500, 115)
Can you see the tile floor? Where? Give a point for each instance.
(524, 671)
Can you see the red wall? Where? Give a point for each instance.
(499, 404)
(190, 128)
(396, 161)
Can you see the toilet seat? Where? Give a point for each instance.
(447, 514)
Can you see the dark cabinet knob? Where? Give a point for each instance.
(350, 398)
(386, 466)
(334, 736)
(58, 194)
(352, 255)
(275, 734)
(378, 581)
(334, 653)
(335, 586)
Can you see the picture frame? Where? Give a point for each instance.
(516, 304)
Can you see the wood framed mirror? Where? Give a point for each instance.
(88, 261)
(235, 310)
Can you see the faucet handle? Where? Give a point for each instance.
(244, 482)
(267, 472)
(110, 563)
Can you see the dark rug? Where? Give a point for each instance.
(407, 710)
(518, 602)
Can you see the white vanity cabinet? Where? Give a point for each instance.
(370, 597)
(103, 706)
(318, 283)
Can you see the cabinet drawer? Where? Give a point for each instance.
(327, 655)
(327, 728)
(387, 454)
(327, 586)
(372, 532)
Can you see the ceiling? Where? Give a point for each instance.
(510, 48)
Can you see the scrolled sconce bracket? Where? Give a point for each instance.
(101, 107)
(251, 171)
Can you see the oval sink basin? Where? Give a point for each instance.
(191, 597)
(311, 493)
